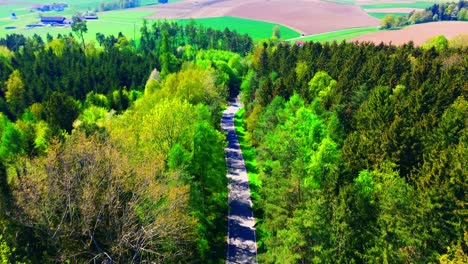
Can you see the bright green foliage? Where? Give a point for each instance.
(11, 141)
(15, 93)
(98, 167)
(439, 43)
(462, 14)
(397, 207)
(360, 148)
(387, 21)
(321, 85)
(196, 85)
(368, 168)
(209, 193)
(42, 137)
(301, 69)
(365, 185)
(299, 163)
(168, 123)
(5, 252)
(165, 125)
(94, 99)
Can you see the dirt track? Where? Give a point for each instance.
(417, 33)
(305, 16)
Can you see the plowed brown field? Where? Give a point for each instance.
(416, 33)
(305, 16)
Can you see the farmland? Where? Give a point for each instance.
(416, 4)
(339, 19)
(255, 28)
(379, 15)
(129, 22)
(339, 35)
(304, 16)
(417, 33)
(190, 143)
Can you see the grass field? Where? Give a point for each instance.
(256, 29)
(338, 35)
(382, 15)
(129, 22)
(421, 5)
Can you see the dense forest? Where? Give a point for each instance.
(111, 152)
(362, 152)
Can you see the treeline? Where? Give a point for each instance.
(120, 4)
(168, 36)
(110, 153)
(361, 151)
(454, 11)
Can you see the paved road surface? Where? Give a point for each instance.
(242, 246)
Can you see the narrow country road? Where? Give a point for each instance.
(241, 241)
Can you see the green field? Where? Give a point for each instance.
(256, 29)
(109, 23)
(338, 35)
(382, 15)
(421, 5)
(129, 22)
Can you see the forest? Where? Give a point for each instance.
(112, 152)
(361, 151)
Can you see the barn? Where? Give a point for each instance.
(53, 20)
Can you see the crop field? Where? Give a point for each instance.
(331, 20)
(254, 17)
(113, 22)
(304, 16)
(338, 35)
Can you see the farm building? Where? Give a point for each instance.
(52, 7)
(91, 17)
(300, 43)
(53, 20)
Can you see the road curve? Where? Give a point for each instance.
(241, 240)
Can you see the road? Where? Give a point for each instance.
(241, 241)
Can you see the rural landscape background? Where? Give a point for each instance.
(233, 131)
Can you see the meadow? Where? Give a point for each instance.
(339, 35)
(255, 28)
(382, 15)
(128, 22)
(417, 4)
